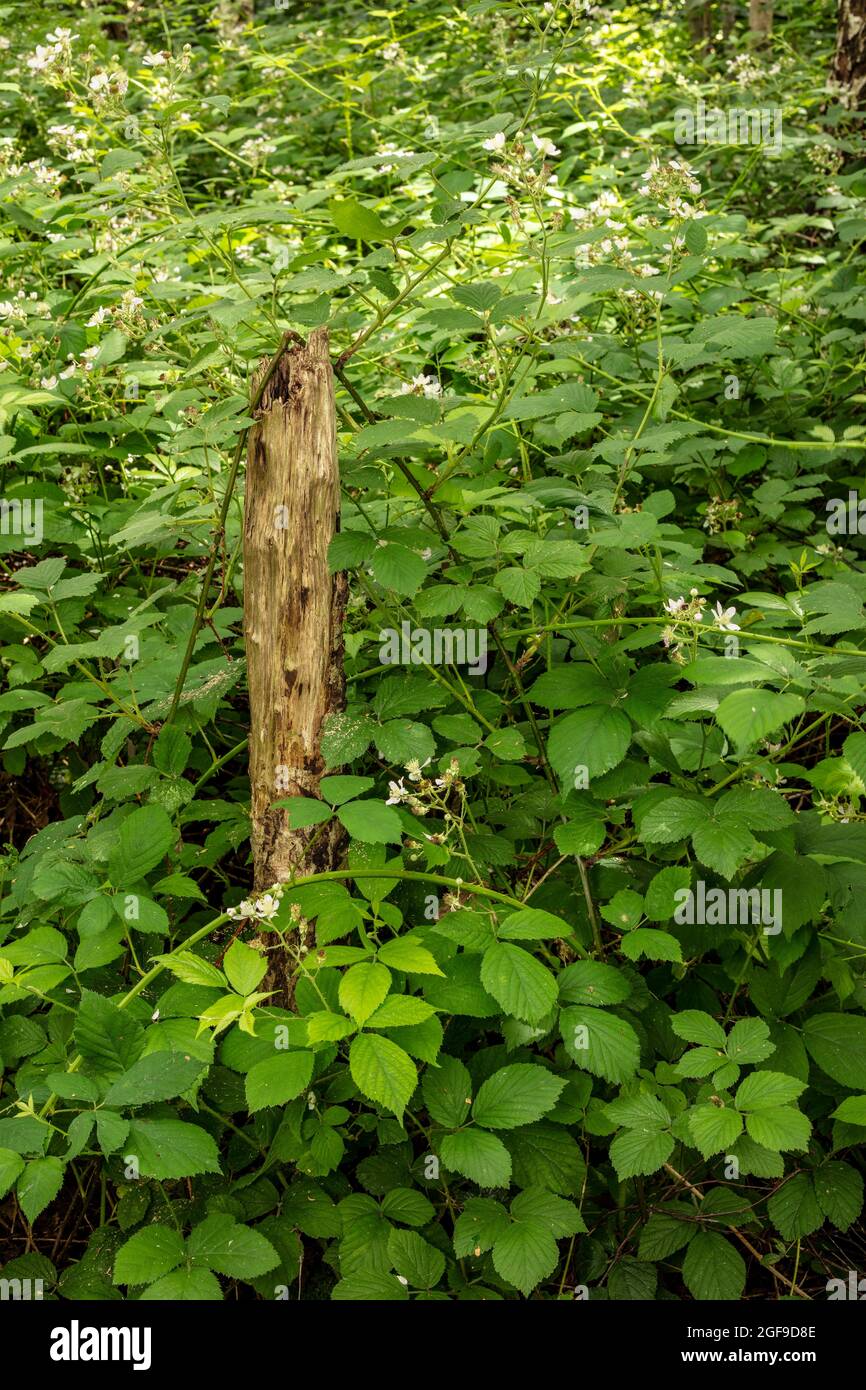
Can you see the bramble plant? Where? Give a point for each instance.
(580, 1012)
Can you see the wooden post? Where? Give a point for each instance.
(293, 613)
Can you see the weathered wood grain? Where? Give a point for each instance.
(293, 608)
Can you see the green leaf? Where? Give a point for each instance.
(675, 818)
(767, 1088)
(369, 1285)
(158, 1076)
(583, 834)
(749, 1041)
(185, 1286)
(837, 1042)
(111, 1131)
(108, 1038)
(222, 1244)
(700, 1061)
(11, 1165)
(558, 1216)
(695, 237)
(336, 790)
(382, 1071)
(600, 1043)
(404, 954)
(345, 737)
(401, 739)
(479, 1226)
(756, 1160)
(358, 221)
(640, 1151)
(591, 982)
(794, 1209)
(661, 901)
(305, 810)
(595, 739)
(546, 1155)
(532, 924)
(714, 1128)
(401, 1011)
(145, 838)
(854, 750)
(192, 970)
(148, 1255)
(516, 1095)
(460, 992)
(244, 967)
(758, 808)
(525, 1254)
(519, 983)
(779, 1127)
(278, 1079)
(570, 686)
(38, 1185)
(362, 989)
(421, 1040)
(171, 750)
(655, 945)
(624, 910)
(632, 1279)
(665, 1233)
(420, 1263)
(839, 1191)
(478, 1155)
(519, 586)
(324, 1026)
(712, 1269)
(447, 1092)
(747, 716)
(171, 1149)
(406, 1205)
(852, 1110)
(723, 845)
(371, 822)
(396, 567)
(697, 1027)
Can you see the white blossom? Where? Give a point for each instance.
(723, 618)
(545, 147)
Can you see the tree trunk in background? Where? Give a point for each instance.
(700, 18)
(760, 19)
(849, 62)
(114, 26)
(293, 614)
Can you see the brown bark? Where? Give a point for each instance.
(700, 21)
(760, 19)
(293, 613)
(849, 61)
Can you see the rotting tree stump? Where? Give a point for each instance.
(849, 60)
(293, 615)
